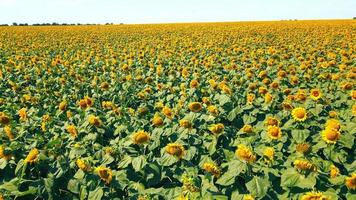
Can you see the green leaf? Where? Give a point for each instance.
(307, 182)
(289, 178)
(139, 162)
(300, 135)
(347, 140)
(228, 178)
(168, 160)
(124, 162)
(257, 186)
(96, 194)
(3, 163)
(73, 186)
(79, 174)
(233, 113)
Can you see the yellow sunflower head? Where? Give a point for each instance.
(350, 182)
(32, 156)
(175, 149)
(140, 137)
(274, 132)
(195, 106)
(314, 196)
(315, 94)
(244, 153)
(104, 173)
(216, 128)
(211, 168)
(299, 114)
(330, 136)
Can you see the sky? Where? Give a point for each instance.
(163, 11)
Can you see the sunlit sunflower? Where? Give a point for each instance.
(330, 136)
(4, 119)
(247, 128)
(299, 114)
(314, 196)
(248, 197)
(216, 128)
(82, 165)
(32, 156)
(244, 153)
(175, 149)
(167, 112)
(269, 152)
(272, 121)
(195, 106)
(94, 120)
(104, 173)
(185, 123)
(304, 165)
(211, 168)
(315, 94)
(72, 130)
(334, 171)
(274, 132)
(157, 120)
(350, 182)
(333, 124)
(140, 137)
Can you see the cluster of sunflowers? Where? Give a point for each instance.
(250, 110)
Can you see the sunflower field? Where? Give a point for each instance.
(242, 111)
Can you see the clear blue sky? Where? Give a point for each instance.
(160, 11)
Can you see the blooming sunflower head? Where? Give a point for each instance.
(330, 136)
(211, 168)
(4, 153)
(244, 153)
(350, 182)
(32, 156)
(250, 98)
(157, 120)
(213, 110)
(185, 123)
(62, 105)
(175, 149)
(195, 106)
(216, 128)
(72, 130)
(22, 114)
(248, 197)
(167, 112)
(140, 137)
(334, 171)
(304, 165)
(82, 165)
(315, 94)
(314, 196)
(269, 152)
(247, 128)
(299, 114)
(274, 132)
(272, 121)
(4, 119)
(332, 124)
(302, 148)
(94, 120)
(104, 173)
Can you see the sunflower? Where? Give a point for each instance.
(269, 152)
(185, 123)
(62, 105)
(354, 110)
(157, 120)
(105, 174)
(247, 128)
(314, 196)
(333, 114)
(211, 168)
(268, 98)
(350, 182)
(4, 119)
(315, 94)
(213, 110)
(82, 165)
(195, 106)
(23, 114)
(32, 156)
(4, 154)
(248, 197)
(272, 121)
(334, 171)
(244, 153)
(167, 112)
(250, 98)
(175, 149)
(94, 120)
(140, 137)
(330, 136)
(304, 165)
(332, 124)
(216, 128)
(274, 132)
(8, 132)
(194, 84)
(353, 94)
(72, 130)
(302, 148)
(299, 114)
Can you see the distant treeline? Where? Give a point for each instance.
(54, 24)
